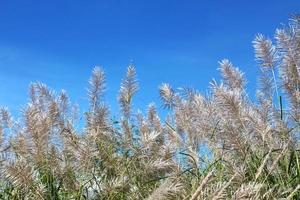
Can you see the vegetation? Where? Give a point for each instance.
(251, 147)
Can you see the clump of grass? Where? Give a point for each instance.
(254, 144)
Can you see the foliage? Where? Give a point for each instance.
(254, 143)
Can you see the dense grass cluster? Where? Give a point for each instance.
(253, 144)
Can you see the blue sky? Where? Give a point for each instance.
(59, 42)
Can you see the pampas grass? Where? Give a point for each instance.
(254, 144)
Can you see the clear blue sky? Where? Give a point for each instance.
(58, 42)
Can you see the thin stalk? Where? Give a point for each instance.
(202, 185)
(275, 83)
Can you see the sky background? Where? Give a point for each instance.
(58, 42)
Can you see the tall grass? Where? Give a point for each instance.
(254, 143)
